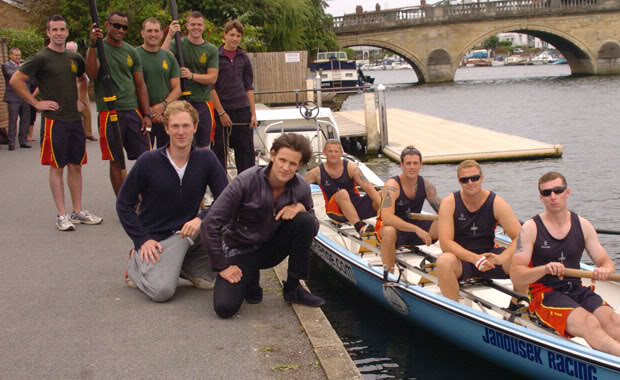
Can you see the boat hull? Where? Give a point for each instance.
(528, 352)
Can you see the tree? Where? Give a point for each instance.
(286, 30)
(29, 41)
(491, 42)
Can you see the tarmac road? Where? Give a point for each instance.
(66, 312)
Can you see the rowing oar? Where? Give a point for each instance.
(602, 232)
(108, 91)
(185, 92)
(587, 274)
(419, 216)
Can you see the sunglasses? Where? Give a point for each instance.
(557, 190)
(116, 25)
(473, 178)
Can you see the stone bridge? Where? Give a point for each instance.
(434, 39)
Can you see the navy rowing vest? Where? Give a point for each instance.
(405, 205)
(567, 251)
(330, 186)
(475, 231)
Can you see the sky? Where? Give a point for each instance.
(340, 7)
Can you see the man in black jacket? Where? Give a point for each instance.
(263, 216)
(171, 182)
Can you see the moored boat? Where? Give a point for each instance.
(477, 322)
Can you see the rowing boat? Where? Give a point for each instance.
(478, 322)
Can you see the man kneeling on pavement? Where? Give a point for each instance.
(264, 215)
(171, 182)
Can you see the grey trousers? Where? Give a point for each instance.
(159, 281)
(18, 109)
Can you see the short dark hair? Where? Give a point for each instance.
(410, 149)
(196, 14)
(117, 13)
(55, 18)
(550, 176)
(296, 142)
(152, 20)
(233, 24)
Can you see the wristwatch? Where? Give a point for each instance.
(149, 115)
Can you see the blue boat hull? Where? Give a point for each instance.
(528, 352)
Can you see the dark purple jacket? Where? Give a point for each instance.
(234, 79)
(244, 214)
(167, 203)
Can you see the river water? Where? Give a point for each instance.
(540, 102)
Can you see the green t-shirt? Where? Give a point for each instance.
(158, 68)
(56, 74)
(123, 62)
(198, 58)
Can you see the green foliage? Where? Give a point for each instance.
(504, 43)
(28, 41)
(491, 42)
(350, 53)
(318, 35)
(286, 30)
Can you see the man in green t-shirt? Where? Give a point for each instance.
(201, 67)
(63, 142)
(161, 74)
(130, 90)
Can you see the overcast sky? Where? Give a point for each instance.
(340, 7)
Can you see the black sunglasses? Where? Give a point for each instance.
(473, 178)
(116, 25)
(557, 190)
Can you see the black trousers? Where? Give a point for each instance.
(158, 131)
(241, 139)
(293, 239)
(18, 110)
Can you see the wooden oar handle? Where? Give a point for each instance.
(418, 216)
(587, 274)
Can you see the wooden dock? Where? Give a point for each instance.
(444, 141)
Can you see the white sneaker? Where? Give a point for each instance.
(84, 217)
(198, 282)
(64, 224)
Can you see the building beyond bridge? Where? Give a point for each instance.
(434, 39)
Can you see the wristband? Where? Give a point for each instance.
(165, 103)
(221, 113)
(192, 78)
(481, 262)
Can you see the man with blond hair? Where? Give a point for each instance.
(549, 243)
(467, 221)
(339, 179)
(171, 182)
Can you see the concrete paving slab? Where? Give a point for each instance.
(67, 313)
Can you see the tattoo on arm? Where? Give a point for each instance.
(519, 247)
(362, 177)
(387, 201)
(390, 188)
(431, 195)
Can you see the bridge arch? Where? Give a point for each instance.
(418, 65)
(578, 56)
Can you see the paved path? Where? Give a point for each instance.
(66, 312)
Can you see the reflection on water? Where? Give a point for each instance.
(538, 102)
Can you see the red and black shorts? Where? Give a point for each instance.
(470, 270)
(363, 206)
(62, 143)
(130, 124)
(407, 237)
(553, 307)
(206, 123)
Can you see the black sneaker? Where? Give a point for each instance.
(302, 296)
(254, 294)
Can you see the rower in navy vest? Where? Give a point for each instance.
(467, 221)
(549, 243)
(343, 201)
(402, 195)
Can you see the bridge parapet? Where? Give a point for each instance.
(403, 17)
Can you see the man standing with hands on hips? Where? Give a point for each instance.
(233, 98)
(130, 90)
(201, 61)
